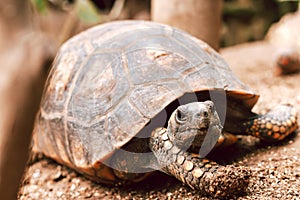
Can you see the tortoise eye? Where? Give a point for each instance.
(180, 116)
(205, 114)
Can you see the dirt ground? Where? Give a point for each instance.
(276, 169)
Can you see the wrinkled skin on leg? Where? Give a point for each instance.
(189, 122)
(274, 126)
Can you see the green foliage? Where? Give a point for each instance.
(40, 5)
(87, 12)
(288, 0)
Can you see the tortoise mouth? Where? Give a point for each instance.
(189, 136)
(206, 139)
(193, 130)
(203, 129)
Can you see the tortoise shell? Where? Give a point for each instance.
(108, 83)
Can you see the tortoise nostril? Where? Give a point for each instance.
(203, 114)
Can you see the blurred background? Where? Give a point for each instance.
(242, 20)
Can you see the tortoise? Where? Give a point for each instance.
(284, 37)
(126, 98)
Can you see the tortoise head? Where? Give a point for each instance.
(192, 122)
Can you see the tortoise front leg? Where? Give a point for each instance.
(273, 126)
(202, 174)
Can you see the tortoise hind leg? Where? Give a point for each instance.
(274, 126)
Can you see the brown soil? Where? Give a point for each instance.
(276, 168)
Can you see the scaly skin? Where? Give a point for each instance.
(202, 174)
(271, 127)
(274, 126)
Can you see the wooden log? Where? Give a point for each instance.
(24, 56)
(201, 18)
